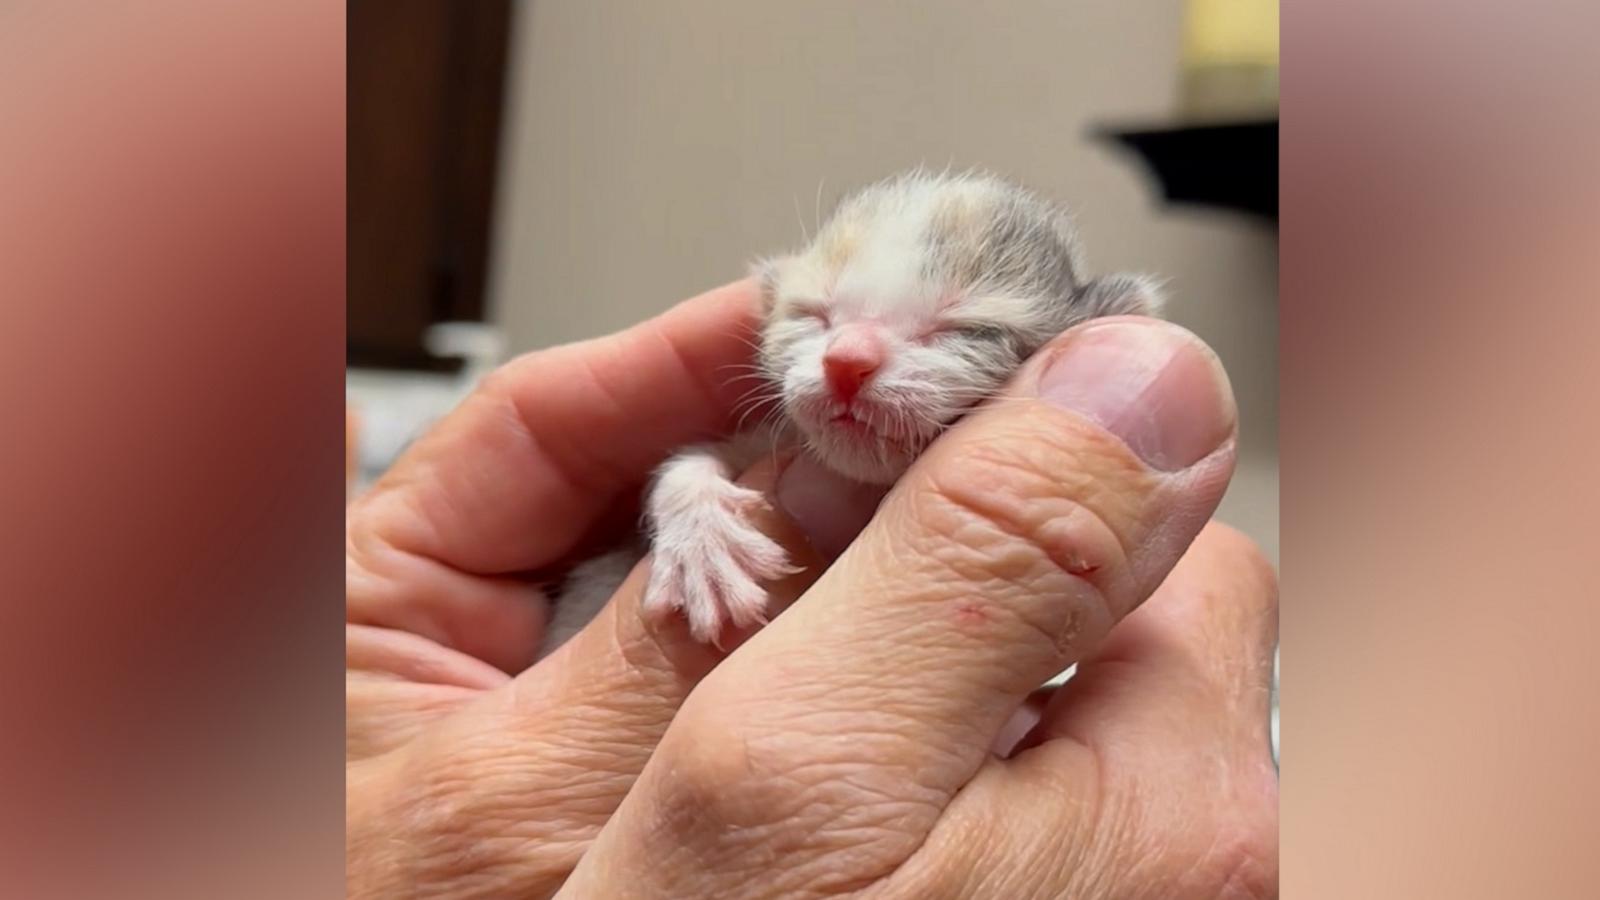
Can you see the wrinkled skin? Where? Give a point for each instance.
(848, 747)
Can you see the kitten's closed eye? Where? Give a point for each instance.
(975, 331)
(814, 311)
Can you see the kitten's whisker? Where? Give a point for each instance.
(817, 212)
(753, 403)
(744, 337)
(804, 235)
(748, 370)
(768, 396)
(756, 399)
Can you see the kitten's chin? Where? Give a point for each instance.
(865, 458)
(868, 468)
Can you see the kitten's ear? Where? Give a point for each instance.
(766, 273)
(1120, 295)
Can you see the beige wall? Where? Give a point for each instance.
(654, 147)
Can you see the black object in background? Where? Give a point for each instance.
(424, 86)
(1231, 165)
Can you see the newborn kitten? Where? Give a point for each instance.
(916, 300)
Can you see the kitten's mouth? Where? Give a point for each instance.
(868, 440)
(862, 425)
(849, 421)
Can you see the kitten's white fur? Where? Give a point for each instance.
(964, 274)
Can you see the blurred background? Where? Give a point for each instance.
(527, 174)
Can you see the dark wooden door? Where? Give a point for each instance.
(424, 90)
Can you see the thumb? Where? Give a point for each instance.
(1018, 539)
(1006, 552)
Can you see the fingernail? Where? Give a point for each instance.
(829, 509)
(1151, 384)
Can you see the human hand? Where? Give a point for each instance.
(848, 748)
(463, 780)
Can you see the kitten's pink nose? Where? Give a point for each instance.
(854, 355)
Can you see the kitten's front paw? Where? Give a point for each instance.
(710, 562)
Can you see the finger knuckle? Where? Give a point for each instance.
(500, 384)
(715, 778)
(1227, 847)
(1042, 512)
(736, 789)
(459, 827)
(1243, 864)
(1247, 555)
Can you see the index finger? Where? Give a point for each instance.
(515, 476)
